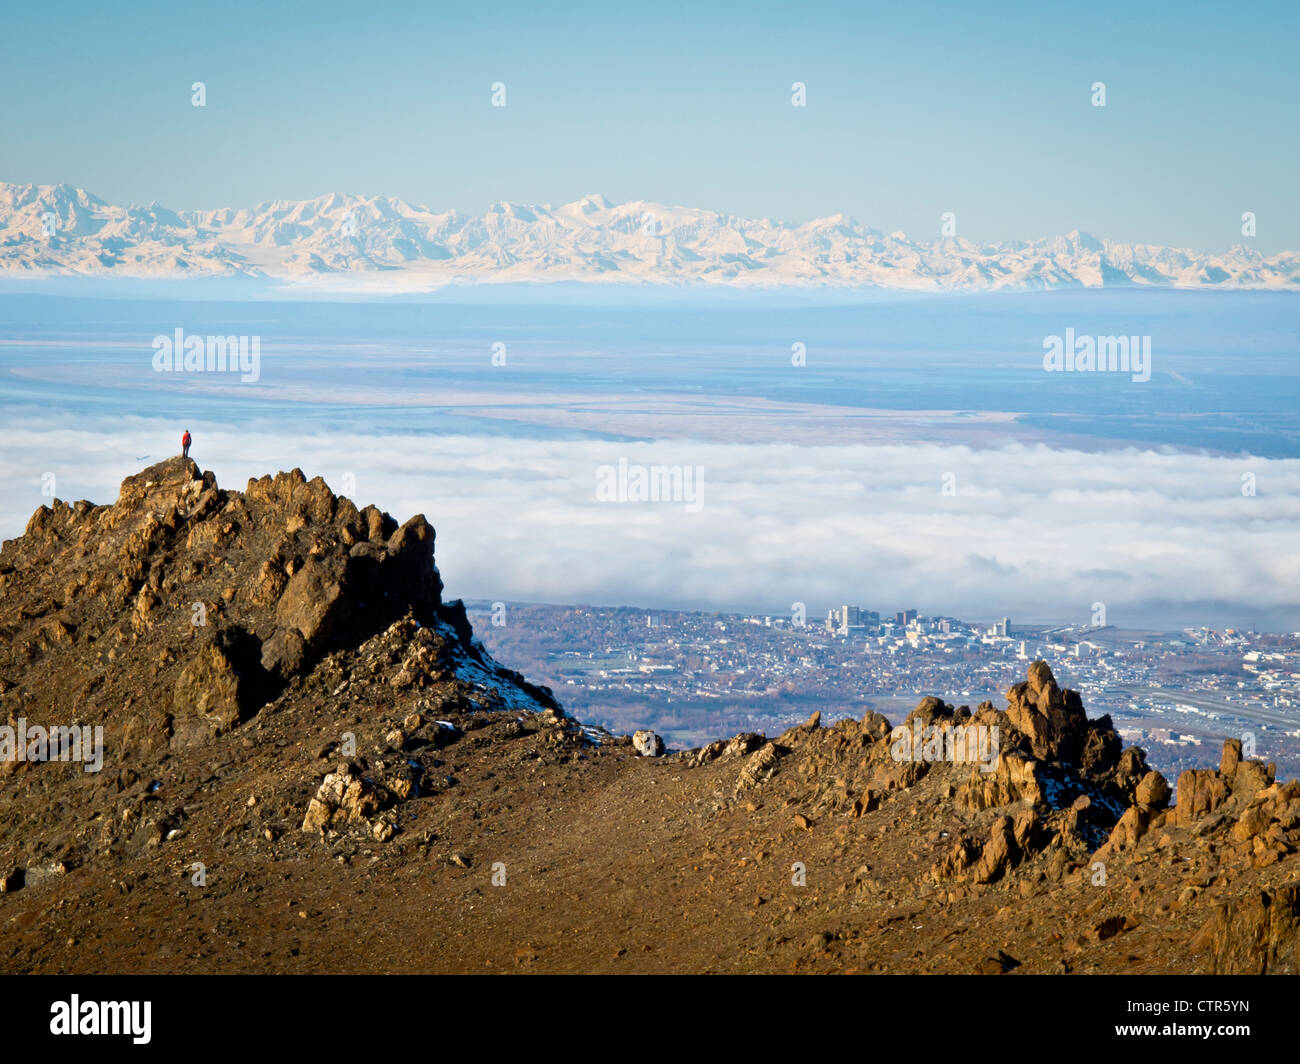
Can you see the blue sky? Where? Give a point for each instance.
(913, 109)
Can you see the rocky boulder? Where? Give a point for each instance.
(315, 602)
(214, 692)
(1153, 791)
(647, 744)
(726, 749)
(346, 797)
(1052, 720)
(1200, 793)
(162, 485)
(1255, 935)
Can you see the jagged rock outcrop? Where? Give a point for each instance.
(1256, 935)
(1052, 720)
(1010, 841)
(760, 766)
(726, 749)
(1202, 791)
(348, 797)
(647, 744)
(287, 565)
(1039, 777)
(216, 689)
(181, 614)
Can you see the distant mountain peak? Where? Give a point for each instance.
(384, 243)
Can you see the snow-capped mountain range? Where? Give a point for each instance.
(382, 243)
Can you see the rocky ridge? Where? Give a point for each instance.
(183, 613)
(291, 708)
(1063, 809)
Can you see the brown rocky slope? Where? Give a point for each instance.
(310, 764)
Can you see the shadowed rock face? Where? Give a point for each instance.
(217, 689)
(1256, 935)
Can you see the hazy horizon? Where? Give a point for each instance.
(920, 458)
(908, 112)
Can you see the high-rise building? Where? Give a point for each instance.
(846, 619)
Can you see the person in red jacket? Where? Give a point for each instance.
(185, 444)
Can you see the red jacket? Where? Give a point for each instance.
(185, 440)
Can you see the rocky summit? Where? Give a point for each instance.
(245, 732)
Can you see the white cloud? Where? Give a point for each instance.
(1031, 532)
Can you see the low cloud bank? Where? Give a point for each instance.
(1030, 532)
